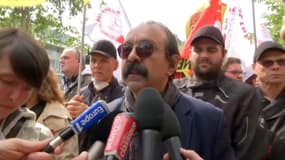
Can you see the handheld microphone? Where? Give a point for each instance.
(149, 111)
(101, 132)
(171, 132)
(90, 116)
(120, 137)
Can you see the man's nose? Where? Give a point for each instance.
(133, 56)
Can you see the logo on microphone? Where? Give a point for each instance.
(92, 115)
(127, 140)
(89, 117)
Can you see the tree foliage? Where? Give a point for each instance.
(46, 21)
(274, 18)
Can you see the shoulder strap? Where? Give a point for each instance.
(39, 108)
(15, 130)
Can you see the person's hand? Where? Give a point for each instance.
(188, 154)
(76, 106)
(19, 149)
(82, 156)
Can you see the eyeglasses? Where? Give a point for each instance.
(269, 63)
(235, 72)
(144, 49)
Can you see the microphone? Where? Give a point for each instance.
(96, 151)
(90, 116)
(120, 137)
(101, 132)
(149, 111)
(171, 132)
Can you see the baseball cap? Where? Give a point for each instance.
(265, 46)
(209, 32)
(104, 47)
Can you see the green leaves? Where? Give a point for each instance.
(274, 18)
(46, 21)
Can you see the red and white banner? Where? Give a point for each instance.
(107, 21)
(238, 41)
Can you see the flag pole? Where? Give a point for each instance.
(254, 24)
(125, 14)
(82, 50)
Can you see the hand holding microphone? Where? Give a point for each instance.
(188, 154)
(91, 116)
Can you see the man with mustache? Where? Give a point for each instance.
(104, 86)
(238, 100)
(269, 66)
(149, 59)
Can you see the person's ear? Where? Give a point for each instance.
(116, 65)
(225, 52)
(174, 60)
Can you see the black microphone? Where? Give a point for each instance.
(149, 109)
(101, 132)
(171, 132)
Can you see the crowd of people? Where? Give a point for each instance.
(221, 116)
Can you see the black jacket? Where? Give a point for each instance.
(240, 104)
(111, 92)
(274, 115)
(70, 86)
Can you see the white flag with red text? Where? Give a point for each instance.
(107, 20)
(237, 38)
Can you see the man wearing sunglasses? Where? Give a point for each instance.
(269, 66)
(149, 59)
(237, 99)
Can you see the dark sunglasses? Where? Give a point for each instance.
(144, 49)
(269, 63)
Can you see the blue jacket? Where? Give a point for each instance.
(203, 129)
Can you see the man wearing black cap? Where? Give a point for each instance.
(238, 100)
(269, 66)
(105, 86)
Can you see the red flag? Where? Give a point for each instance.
(210, 16)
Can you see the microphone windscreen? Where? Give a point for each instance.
(149, 109)
(171, 126)
(102, 129)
